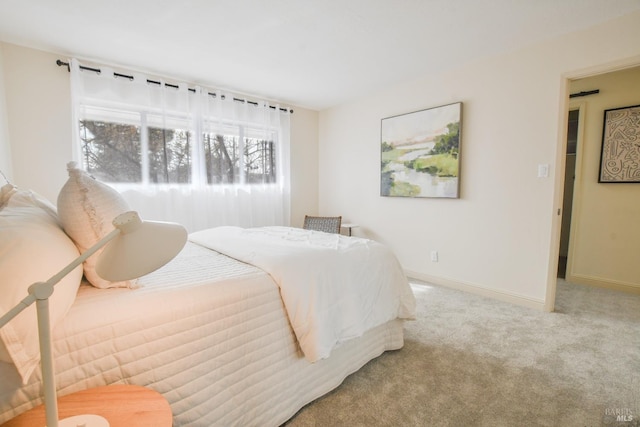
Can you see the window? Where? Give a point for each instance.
(111, 151)
(182, 154)
(121, 152)
(224, 161)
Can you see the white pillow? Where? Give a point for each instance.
(33, 247)
(86, 209)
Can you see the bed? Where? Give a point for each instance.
(218, 336)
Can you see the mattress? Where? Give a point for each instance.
(208, 332)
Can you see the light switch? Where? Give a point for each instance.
(543, 170)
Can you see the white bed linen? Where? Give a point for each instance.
(334, 287)
(208, 332)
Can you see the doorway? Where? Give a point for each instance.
(569, 180)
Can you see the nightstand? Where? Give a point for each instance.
(121, 405)
(349, 227)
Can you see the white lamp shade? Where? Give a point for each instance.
(140, 248)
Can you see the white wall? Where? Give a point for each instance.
(39, 119)
(499, 237)
(39, 126)
(304, 165)
(5, 149)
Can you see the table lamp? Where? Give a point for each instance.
(134, 248)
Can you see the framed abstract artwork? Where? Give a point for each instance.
(620, 157)
(420, 153)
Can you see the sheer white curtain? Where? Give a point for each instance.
(182, 154)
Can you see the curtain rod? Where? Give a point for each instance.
(60, 63)
(584, 93)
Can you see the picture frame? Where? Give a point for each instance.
(420, 153)
(620, 155)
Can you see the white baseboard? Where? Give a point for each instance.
(599, 282)
(479, 290)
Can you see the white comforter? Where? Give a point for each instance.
(333, 287)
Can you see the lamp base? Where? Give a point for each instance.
(87, 420)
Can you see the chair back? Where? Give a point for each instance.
(328, 224)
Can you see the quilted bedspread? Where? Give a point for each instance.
(334, 287)
(208, 332)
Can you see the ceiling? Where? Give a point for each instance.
(310, 53)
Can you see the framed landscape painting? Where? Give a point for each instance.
(420, 153)
(620, 157)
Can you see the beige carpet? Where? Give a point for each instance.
(473, 361)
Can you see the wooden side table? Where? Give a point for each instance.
(121, 405)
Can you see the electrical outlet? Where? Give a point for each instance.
(434, 256)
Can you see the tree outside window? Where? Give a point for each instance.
(130, 153)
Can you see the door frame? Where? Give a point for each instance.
(561, 150)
